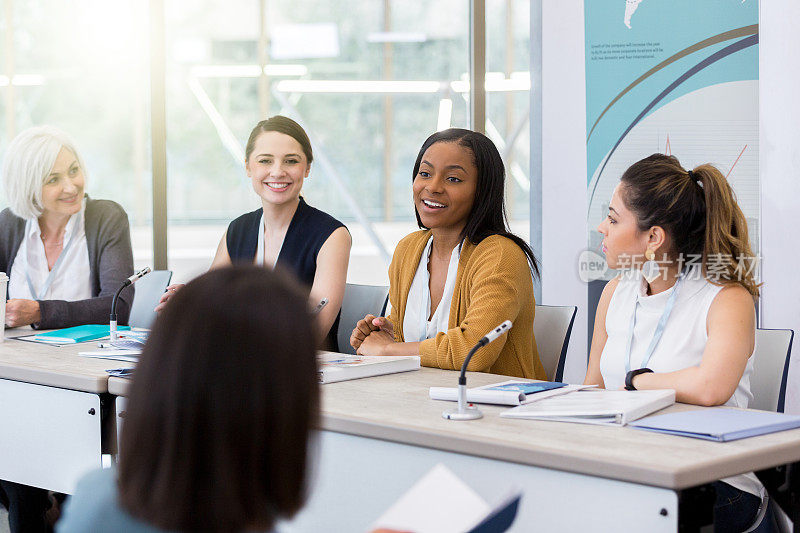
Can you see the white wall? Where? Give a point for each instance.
(564, 198)
(779, 73)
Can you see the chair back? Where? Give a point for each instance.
(771, 369)
(358, 302)
(552, 327)
(148, 291)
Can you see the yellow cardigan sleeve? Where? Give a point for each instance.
(492, 296)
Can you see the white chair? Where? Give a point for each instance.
(552, 326)
(771, 368)
(148, 291)
(768, 384)
(358, 302)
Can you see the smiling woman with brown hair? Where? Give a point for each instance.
(285, 232)
(464, 273)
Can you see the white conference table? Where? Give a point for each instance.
(379, 435)
(55, 412)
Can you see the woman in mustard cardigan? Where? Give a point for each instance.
(464, 273)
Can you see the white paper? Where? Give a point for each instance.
(596, 406)
(438, 503)
(130, 356)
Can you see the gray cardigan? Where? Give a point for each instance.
(108, 238)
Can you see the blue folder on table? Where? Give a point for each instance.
(88, 332)
(718, 424)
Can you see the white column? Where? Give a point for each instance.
(563, 138)
(779, 73)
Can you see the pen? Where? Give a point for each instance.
(322, 303)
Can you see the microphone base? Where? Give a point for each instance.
(470, 413)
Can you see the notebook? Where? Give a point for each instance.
(440, 502)
(88, 332)
(335, 367)
(608, 407)
(512, 392)
(719, 424)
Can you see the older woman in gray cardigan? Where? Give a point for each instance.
(65, 255)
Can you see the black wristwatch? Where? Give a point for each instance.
(632, 374)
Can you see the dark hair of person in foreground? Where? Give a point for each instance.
(217, 428)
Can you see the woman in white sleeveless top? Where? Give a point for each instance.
(681, 315)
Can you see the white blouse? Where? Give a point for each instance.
(71, 278)
(416, 326)
(681, 345)
(684, 338)
(261, 248)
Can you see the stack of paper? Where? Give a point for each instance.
(596, 406)
(116, 354)
(342, 367)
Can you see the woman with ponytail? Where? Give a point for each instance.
(681, 314)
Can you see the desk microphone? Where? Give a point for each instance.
(112, 330)
(472, 413)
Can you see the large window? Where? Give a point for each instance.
(508, 111)
(368, 79)
(74, 65)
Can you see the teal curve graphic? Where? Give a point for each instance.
(713, 58)
(696, 47)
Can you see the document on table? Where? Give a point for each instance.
(596, 406)
(512, 392)
(441, 503)
(721, 424)
(335, 367)
(115, 354)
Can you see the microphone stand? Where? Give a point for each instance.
(467, 411)
(112, 323)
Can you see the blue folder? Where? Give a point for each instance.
(528, 388)
(500, 519)
(88, 332)
(719, 424)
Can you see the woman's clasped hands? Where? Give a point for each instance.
(372, 335)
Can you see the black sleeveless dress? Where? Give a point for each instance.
(307, 232)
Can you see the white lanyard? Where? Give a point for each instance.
(50, 277)
(662, 322)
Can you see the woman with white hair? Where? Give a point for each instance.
(65, 254)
